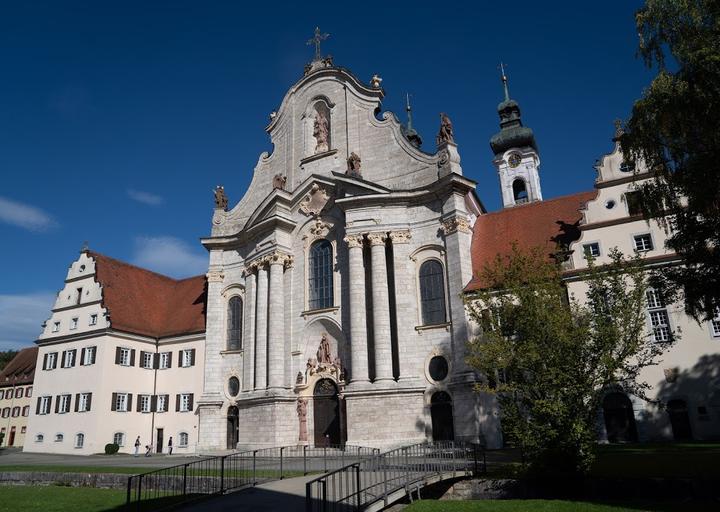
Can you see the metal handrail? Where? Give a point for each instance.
(168, 487)
(387, 476)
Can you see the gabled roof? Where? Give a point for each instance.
(144, 302)
(550, 225)
(21, 370)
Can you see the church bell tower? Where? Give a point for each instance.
(516, 155)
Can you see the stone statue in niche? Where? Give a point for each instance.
(279, 181)
(323, 353)
(299, 379)
(302, 418)
(321, 132)
(353, 166)
(221, 200)
(446, 130)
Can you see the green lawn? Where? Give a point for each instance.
(128, 470)
(668, 460)
(547, 506)
(60, 499)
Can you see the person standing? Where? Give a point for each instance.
(137, 446)
(170, 446)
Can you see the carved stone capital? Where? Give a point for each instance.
(354, 241)
(400, 237)
(377, 238)
(277, 258)
(289, 261)
(456, 224)
(215, 276)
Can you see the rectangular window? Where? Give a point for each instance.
(658, 315)
(165, 360)
(592, 249)
(9, 394)
(56, 326)
(183, 440)
(50, 362)
(88, 356)
(23, 429)
(121, 402)
(16, 412)
(44, 405)
(28, 391)
(124, 357)
(93, 320)
(715, 323)
(69, 358)
(63, 404)
(187, 357)
(643, 242)
(144, 403)
(184, 402)
(83, 401)
(119, 438)
(162, 403)
(18, 392)
(147, 360)
(78, 297)
(6, 412)
(73, 323)
(26, 411)
(633, 202)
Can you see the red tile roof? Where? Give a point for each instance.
(147, 303)
(21, 370)
(543, 224)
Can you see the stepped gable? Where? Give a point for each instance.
(144, 302)
(547, 224)
(21, 370)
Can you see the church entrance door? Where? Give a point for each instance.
(233, 427)
(619, 419)
(441, 413)
(326, 413)
(679, 420)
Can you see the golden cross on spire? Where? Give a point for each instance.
(316, 39)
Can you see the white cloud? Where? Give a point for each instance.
(170, 256)
(25, 216)
(21, 317)
(145, 197)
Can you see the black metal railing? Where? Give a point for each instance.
(390, 475)
(171, 486)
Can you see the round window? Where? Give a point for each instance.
(233, 386)
(438, 368)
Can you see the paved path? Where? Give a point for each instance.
(11, 456)
(281, 495)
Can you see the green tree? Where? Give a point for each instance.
(674, 130)
(549, 358)
(7, 356)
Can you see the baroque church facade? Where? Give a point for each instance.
(332, 310)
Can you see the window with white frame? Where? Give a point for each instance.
(16, 411)
(56, 326)
(185, 402)
(18, 392)
(119, 438)
(592, 250)
(184, 438)
(79, 440)
(162, 403)
(83, 404)
(121, 402)
(147, 360)
(63, 404)
(39, 438)
(93, 320)
(6, 412)
(26, 411)
(715, 323)
(50, 361)
(89, 355)
(59, 437)
(187, 357)
(164, 360)
(73, 323)
(658, 315)
(125, 356)
(69, 358)
(44, 405)
(145, 403)
(643, 243)
(28, 391)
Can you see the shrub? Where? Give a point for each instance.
(111, 448)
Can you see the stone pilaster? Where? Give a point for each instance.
(249, 330)
(261, 325)
(276, 325)
(358, 319)
(381, 308)
(214, 335)
(405, 302)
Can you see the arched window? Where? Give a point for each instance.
(234, 324)
(320, 275)
(79, 440)
(432, 293)
(119, 438)
(519, 191)
(184, 438)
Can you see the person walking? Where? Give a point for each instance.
(137, 446)
(170, 446)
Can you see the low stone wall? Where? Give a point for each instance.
(593, 489)
(101, 480)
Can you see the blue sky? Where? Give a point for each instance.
(118, 118)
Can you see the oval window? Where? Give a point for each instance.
(438, 368)
(233, 386)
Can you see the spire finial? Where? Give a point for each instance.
(85, 247)
(408, 109)
(316, 39)
(504, 79)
